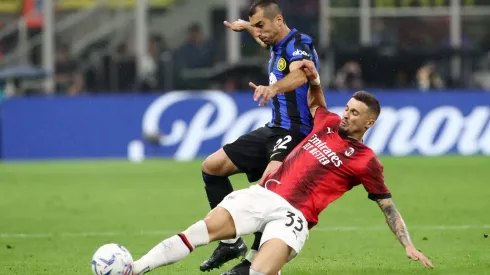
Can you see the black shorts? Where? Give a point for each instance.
(252, 152)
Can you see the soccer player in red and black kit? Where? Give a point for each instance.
(286, 204)
(263, 149)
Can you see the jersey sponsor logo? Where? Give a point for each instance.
(320, 150)
(300, 52)
(329, 130)
(435, 131)
(281, 64)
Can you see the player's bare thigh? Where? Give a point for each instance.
(220, 224)
(273, 164)
(219, 164)
(271, 257)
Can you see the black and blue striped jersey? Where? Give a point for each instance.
(290, 110)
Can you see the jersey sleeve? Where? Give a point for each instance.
(324, 118)
(373, 180)
(300, 48)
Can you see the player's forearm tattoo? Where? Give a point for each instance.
(395, 221)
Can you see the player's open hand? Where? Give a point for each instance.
(416, 255)
(264, 93)
(238, 26)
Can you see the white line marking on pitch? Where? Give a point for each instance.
(167, 232)
(426, 227)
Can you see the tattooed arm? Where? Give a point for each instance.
(373, 180)
(395, 221)
(397, 225)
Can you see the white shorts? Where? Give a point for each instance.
(257, 209)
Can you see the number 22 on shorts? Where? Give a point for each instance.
(281, 143)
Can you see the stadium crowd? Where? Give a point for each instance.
(406, 53)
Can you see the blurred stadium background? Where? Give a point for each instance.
(107, 108)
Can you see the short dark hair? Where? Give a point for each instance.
(370, 100)
(270, 7)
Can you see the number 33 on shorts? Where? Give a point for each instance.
(295, 223)
(290, 226)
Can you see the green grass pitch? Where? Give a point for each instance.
(54, 215)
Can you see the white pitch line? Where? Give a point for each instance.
(169, 232)
(424, 228)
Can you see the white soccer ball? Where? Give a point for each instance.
(113, 259)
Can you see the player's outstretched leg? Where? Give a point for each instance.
(218, 225)
(215, 171)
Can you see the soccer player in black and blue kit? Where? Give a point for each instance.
(261, 151)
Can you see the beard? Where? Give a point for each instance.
(343, 132)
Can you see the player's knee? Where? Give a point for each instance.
(220, 224)
(209, 165)
(219, 164)
(197, 234)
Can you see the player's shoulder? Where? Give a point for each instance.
(299, 47)
(324, 112)
(324, 118)
(299, 38)
(368, 157)
(363, 153)
(364, 161)
(300, 44)
(305, 38)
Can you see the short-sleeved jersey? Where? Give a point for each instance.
(325, 166)
(290, 110)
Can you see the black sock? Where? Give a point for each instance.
(217, 188)
(256, 244)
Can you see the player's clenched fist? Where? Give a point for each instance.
(310, 70)
(238, 26)
(416, 255)
(264, 93)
